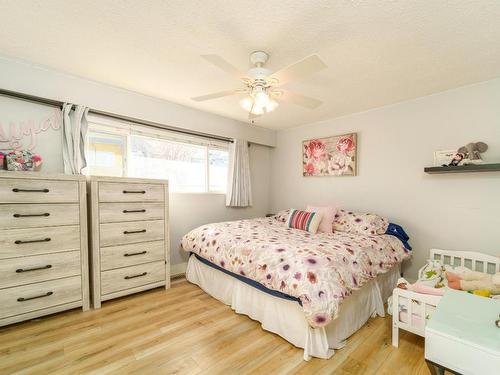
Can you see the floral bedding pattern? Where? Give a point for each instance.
(320, 269)
(354, 222)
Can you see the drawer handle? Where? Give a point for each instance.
(16, 190)
(19, 242)
(31, 215)
(134, 231)
(134, 276)
(134, 191)
(132, 254)
(22, 299)
(131, 211)
(20, 270)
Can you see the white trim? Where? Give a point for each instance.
(178, 269)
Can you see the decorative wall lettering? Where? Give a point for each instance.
(22, 135)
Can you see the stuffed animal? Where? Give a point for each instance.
(477, 282)
(432, 274)
(457, 159)
(473, 150)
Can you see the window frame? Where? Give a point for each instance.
(112, 127)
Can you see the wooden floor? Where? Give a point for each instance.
(185, 331)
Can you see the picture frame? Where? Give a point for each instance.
(330, 156)
(443, 157)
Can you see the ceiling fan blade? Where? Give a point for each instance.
(220, 63)
(303, 101)
(216, 95)
(299, 70)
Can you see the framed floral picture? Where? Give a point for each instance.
(331, 156)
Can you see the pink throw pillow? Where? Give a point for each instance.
(327, 217)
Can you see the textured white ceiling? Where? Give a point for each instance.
(378, 52)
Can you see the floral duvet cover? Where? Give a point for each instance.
(320, 269)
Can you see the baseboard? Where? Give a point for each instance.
(178, 269)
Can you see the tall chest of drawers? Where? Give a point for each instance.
(129, 236)
(43, 245)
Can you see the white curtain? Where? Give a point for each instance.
(239, 187)
(74, 132)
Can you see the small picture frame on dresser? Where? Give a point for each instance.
(129, 236)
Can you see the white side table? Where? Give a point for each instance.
(462, 336)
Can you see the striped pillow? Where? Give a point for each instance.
(303, 220)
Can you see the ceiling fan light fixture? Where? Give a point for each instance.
(271, 105)
(247, 103)
(262, 86)
(261, 98)
(257, 110)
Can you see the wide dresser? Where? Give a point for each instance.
(43, 245)
(129, 236)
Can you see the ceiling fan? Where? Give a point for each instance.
(262, 88)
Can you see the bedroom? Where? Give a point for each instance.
(398, 86)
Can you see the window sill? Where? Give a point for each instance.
(197, 193)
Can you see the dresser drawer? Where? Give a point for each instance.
(131, 232)
(117, 212)
(38, 215)
(32, 241)
(130, 192)
(33, 269)
(130, 255)
(26, 298)
(131, 277)
(37, 191)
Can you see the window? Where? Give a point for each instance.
(105, 154)
(217, 169)
(184, 165)
(191, 164)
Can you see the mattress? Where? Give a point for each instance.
(320, 270)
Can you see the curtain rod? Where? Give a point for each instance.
(58, 103)
(31, 98)
(161, 126)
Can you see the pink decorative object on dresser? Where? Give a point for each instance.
(23, 160)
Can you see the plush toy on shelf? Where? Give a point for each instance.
(472, 152)
(478, 283)
(457, 159)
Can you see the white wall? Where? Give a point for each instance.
(456, 211)
(30, 79)
(187, 211)
(35, 127)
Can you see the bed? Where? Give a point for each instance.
(314, 290)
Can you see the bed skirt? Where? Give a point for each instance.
(286, 318)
